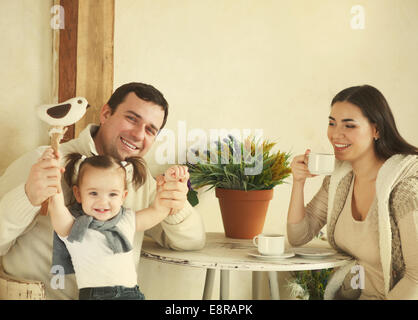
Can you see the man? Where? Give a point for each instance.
(129, 123)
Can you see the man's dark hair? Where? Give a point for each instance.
(143, 91)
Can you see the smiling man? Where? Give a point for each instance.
(130, 121)
(129, 124)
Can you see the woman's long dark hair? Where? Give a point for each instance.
(138, 173)
(376, 109)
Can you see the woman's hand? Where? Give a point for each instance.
(299, 167)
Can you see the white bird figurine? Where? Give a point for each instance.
(59, 116)
(65, 113)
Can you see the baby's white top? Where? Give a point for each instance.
(94, 262)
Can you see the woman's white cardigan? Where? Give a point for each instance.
(394, 170)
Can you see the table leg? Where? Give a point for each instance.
(257, 285)
(209, 281)
(224, 285)
(274, 285)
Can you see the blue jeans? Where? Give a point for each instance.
(111, 293)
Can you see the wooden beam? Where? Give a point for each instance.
(94, 57)
(68, 56)
(55, 61)
(85, 57)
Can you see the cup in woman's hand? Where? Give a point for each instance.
(321, 163)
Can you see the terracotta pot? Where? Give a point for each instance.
(243, 212)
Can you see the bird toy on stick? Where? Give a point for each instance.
(59, 116)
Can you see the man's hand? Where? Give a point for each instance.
(44, 178)
(172, 189)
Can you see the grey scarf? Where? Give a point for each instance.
(116, 240)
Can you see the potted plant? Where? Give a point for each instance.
(243, 175)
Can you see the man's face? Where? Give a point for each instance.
(131, 130)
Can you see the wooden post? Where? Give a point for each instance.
(94, 57)
(86, 56)
(68, 56)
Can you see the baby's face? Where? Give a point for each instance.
(101, 192)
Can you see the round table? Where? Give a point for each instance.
(225, 254)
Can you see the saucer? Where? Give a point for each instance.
(285, 255)
(314, 252)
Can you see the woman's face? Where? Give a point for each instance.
(350, 132)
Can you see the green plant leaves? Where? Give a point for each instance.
(234, 158)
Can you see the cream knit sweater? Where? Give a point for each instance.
(397, 211)
(26, 237)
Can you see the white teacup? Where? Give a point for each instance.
(321, 163)
(269, 244)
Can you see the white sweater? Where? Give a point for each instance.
(26, 237)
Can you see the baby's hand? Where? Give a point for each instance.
(172, 188)
(49, 153)
(177, 173)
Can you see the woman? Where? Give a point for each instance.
(369, 203)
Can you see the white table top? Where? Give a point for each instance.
(233, 254)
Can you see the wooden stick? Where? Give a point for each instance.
(56, 133)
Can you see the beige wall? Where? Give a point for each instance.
(264, 64)
(240, 64)
(26, 70)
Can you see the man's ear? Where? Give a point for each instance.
(77, 195)
(105, 113)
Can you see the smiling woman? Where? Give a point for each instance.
(350, 132)
(370, 201)
(374, 108)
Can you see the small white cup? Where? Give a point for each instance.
(269, 244)
(321, 163)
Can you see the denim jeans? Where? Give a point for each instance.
(111, 293)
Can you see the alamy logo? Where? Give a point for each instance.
(57, 21)
(58, 280)
(358, 21)
(192, 147)
(358, 280)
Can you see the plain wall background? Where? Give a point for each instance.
(26, 75)
(274, 65)
(252, 64)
